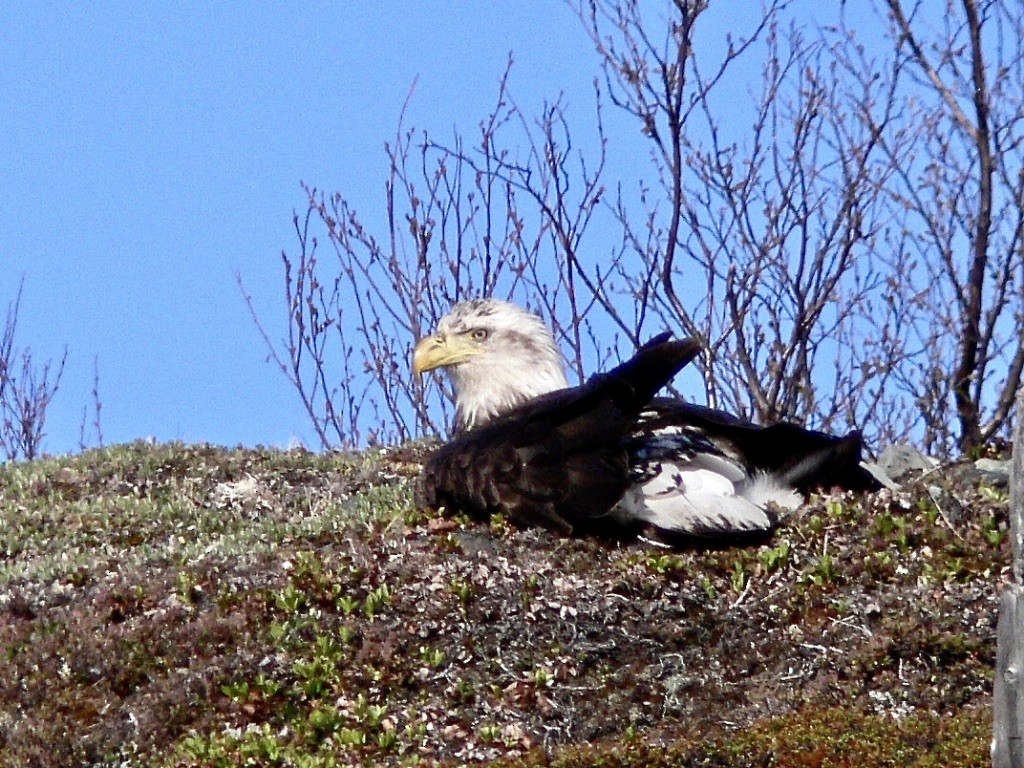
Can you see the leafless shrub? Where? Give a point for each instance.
(760, 241)
(960, 193)
(457, 227)
(92, 423)
(813, 235)
(26, 390)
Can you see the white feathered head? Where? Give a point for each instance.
(497, 356)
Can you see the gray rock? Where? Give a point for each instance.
(994, 472)
(900, 460)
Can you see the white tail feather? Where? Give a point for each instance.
(765, 489)
(706, 495)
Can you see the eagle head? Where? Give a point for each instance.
(496, 355)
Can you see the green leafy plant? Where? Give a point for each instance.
(775, 558)
(377, 600)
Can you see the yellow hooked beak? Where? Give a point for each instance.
(441, 351)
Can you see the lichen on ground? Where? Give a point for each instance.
(184, 605)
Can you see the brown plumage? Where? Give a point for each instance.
(608, 457)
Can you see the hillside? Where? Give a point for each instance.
(184, 605)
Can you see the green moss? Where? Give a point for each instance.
(814, 738)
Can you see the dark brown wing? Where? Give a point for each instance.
(558, 461)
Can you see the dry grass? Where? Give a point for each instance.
(192, 606)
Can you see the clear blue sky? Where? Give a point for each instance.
(151, 150)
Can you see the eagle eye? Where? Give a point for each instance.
(478, 334)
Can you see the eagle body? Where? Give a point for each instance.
(561, 460)
(607, 457)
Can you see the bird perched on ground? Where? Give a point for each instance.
(607, 457)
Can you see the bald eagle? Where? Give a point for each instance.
(607, 457)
